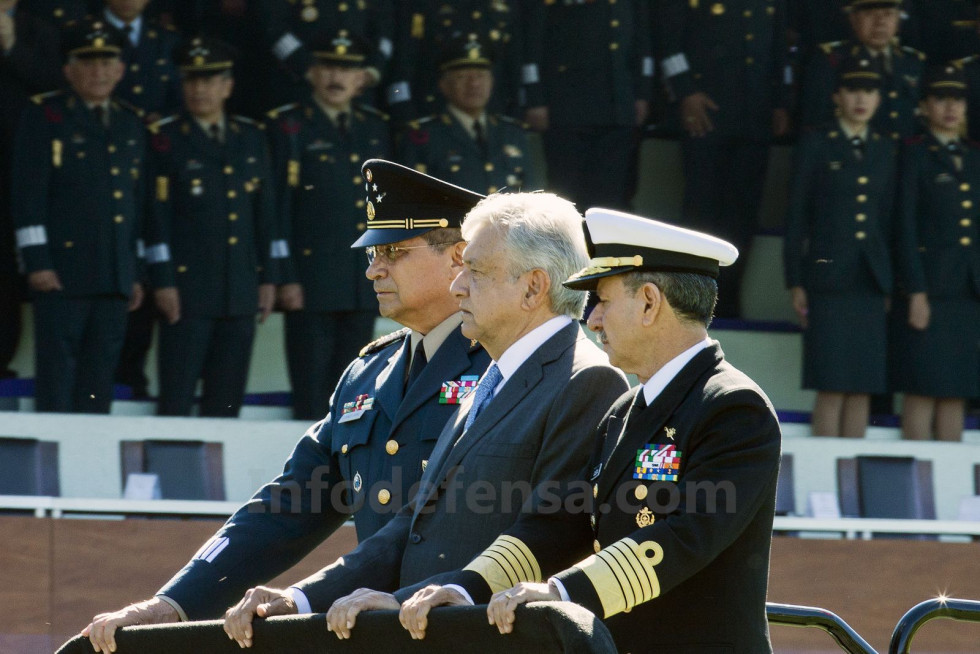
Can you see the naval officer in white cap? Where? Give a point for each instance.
(674, 555)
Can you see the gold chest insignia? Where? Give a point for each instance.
(670, 431)
(644, 517)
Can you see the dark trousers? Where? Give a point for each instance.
(139, 337)
(723, 183)
(319, 347)
(215, 350)
(77, 341)
(11, 296)
(591, 166)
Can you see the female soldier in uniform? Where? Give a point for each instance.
(837, 254)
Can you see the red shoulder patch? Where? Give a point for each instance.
(161, 143)
(418, 136)
(53, 115)
(914, 140)
(290, 126)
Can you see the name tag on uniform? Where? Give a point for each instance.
(354, 410)
(657, 463)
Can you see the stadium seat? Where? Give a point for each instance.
(886, 487)
(188, 470)
(28, 467)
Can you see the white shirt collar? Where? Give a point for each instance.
(466, 120)
(849, 134)
(206, 127)
(432, 341)
(515, 356)
(118, 23)
(945, 139)
(656, 384)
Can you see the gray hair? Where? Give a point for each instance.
(691, 295)
(538, 230)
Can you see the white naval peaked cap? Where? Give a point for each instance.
(621, 243)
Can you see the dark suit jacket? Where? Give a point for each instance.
(340, 466)
(938, 244)
(534, 433)
(840, 212)
(685, 568)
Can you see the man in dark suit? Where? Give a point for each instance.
(29, 64)
(684, 471)
(77, 211)
(385, 414)
(525, 427)
(212, 251)
(465, 144)
(318, 147)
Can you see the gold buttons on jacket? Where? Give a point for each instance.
(964, 187)
(966, 222)
(893, 94)
(69, 244)
(343, 448)
(232, 240)
(967, 204)
(749, 61)
(640, 492)
(861, 217)
(384, 496)
(893, 114)
(233, 217)
(111, 148)
(596, 546)
(113, 171)
(391, 447)
(595, 490)
(860, 236)
(181, 269)
(862, 198)
(232, 194)
(118, 219)
(307, 252)
(965, 241)
(228, 170)
(117, 194)
(749, 36)
(614, 46)
(488, 167)
(862, 180)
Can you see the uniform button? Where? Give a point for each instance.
(596, 546)
(307, 252)
(233, 217)
(358, 180)
(860, 236)
(137, 89)
(896, 135)
(391, 447)
(69, 244)
(893, 94)
(135, 68)
(118, 219)
(747, 13)
(111, 148)
(614, 23)
(361, 227)
(117, 194)
(595, 490)
(967, 204)
(416, 538)
(861, 217)
(965, 241)
(562, 68)
(862, 198)
(232, 240)
(893, 114)
(488, 167)
(323, 157)
(229, 170)
(965, 222)
(749, 61)
(181, 269)
(113, 171)
(232, 194)
(592, 520)
(477, 15)
(641, 492)
(343, 448)
(342, 6)
(862, 180)
(492, 189)
(614, 46)
(964, 187)
(749, 36)
(354, 158)
(359, 204)
(384, 496)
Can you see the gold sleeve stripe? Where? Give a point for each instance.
(623, 574)
(163, 186)
(505, 563)
(56, 153)
(292, 173)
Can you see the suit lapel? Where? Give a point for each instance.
(645, 428)
(389, 395)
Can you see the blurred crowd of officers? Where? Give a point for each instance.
(201, 161)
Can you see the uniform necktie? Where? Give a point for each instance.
(342, 124)
(100, 115)
(858, 144)
(955, 150)
(214, 131)
(418, 362)
(638, 405)
(479, 134)
(484, 393)
(127, 31)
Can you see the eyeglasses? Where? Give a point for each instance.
(391, 253)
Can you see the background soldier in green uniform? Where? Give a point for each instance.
(725, 64)
(588, 75)
(425, 29)
(212, 254)
(875, 26)
(465, 145)
(79, 156)
(838, 254)
(318, 147)
(936, 354)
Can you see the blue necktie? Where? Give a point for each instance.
(484, 393)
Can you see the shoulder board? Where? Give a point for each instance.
(274, 113)
(513, 121)
(427, 119)
(385, 341)
(155, 127)
(41, 97)
(371, 110)
(830, 46)
(129, 107)
(248, 121)
(912, 51)
(965, 61)
(915, 140)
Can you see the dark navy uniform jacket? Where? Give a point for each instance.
(840, 211)
(78, 207)
(939, 212)
(587, 62)
(895, 117)
(971, 69)
(364, 457)
(321, 200)
(440, 146)
(681, 556)
(211, 228)
(152, 82)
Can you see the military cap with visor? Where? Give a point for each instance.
(91, 39)
(465, 51)
(859, 73)
(204, 56)
(861, 5)
(946, 81)
(341, 49)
